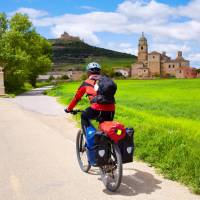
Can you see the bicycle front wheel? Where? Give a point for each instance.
(81, 152)
(111, 174)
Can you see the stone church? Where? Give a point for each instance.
(157, 64)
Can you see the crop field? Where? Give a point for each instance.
(166, 117)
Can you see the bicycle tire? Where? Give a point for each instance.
(80, 143)
(105, 176)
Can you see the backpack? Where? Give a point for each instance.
(106, 89)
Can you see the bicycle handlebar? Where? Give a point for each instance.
(74, 112)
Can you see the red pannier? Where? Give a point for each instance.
(114, 130)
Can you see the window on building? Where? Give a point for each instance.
(180, 71)
(173, 66)
(169, 66)
(144, 70)
(141, 47)
(153, 56)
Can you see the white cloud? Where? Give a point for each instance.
(130, 17)
(165, 23)
(122, 47)
(32, 13)
(141, 11)
(89, 8)
(86, 25)
(192, 10)
(94, 21)
(171, 48)
(195, 57)
(84, 34)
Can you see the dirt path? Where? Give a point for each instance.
(38, 160)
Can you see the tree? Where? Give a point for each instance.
(107, 71)
(40, 50)
(23, 52)
(3, 28)
(3, 23)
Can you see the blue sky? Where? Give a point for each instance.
(117, 24)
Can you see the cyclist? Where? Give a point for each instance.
(100, 112)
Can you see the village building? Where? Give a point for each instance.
(122, 71)
(198, 74)
(157, 64)
(74, 75)
(67, 37)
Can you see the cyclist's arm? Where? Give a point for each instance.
(81, 91)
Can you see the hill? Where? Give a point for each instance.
(69, 51)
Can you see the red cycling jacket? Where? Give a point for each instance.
(88, 88)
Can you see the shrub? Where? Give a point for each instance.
(65, 77)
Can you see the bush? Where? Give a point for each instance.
(108, 71)
(65, 77)
(51, 78)
(84, 77)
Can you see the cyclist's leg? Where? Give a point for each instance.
(106, 116)
(86, 116)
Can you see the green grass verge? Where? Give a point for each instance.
(166, 117)
(27, 86)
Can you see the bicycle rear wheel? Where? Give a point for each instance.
(111, 174)
(81, 152)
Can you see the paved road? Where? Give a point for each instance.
(38, 160)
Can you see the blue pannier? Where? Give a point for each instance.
(97, 147)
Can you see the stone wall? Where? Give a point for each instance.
(134, 69)
(186, 72)
(180, 74)
(154, 64)
(2, 89)
(170, 68)
(185, 63)
(143, 73)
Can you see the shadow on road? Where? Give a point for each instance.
(138, 183)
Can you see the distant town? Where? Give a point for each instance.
(147, 65)
(157, 64)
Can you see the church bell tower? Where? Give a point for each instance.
(142, 49)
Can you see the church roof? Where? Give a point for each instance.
(165, 57)
(172, 61)
(143, 38)
(154, 53)
(180, 59)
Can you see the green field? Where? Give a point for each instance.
(112, 62)
(166, 118)
(105, 62)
